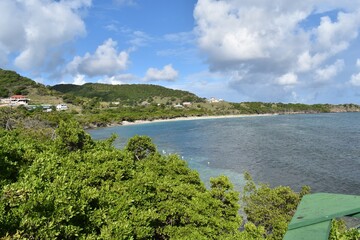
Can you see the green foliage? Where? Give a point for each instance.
(75, 188)
(339, 231)
(262, 108)
(131, 114)
(128, 94)
(16, 153)
(13, 83)
(271, 208)
(71, 137)
(140, 147)
(4, 93)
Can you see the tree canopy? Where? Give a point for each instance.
(74, 187)
(65, 185)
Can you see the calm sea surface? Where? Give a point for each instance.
(319, 150)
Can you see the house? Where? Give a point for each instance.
(186, 104)
(213, 100)
(46, 107)
(61, 107)
(17, 100)
(178, 106)
(43, 107)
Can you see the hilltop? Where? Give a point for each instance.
(130, 94)
(12, 83)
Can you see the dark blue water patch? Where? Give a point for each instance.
(319, 150)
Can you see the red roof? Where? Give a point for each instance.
(18, 97)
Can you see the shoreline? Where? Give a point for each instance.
(194, 118)
(139, 122)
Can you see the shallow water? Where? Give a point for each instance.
(319, 150)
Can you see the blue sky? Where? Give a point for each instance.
(272, 51)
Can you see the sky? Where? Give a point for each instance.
(238, 50)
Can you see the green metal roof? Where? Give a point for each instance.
(313, 216)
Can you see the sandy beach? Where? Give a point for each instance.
(125, 123)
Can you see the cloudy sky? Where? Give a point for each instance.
(239, 50)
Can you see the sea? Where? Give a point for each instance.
(318, 150)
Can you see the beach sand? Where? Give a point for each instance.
(125, 123)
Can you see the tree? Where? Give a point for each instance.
(4, 93)
(271, 208)
(71, 137)
(140, 147)
(339, 231)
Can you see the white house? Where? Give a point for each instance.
(61, 107)
(214, 100)
(16, 100)
(186, 104)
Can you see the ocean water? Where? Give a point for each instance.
(319, 150)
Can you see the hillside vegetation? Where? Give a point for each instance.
(129, 94)
(11, 83)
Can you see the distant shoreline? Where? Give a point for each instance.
(139, 122)
(193, 118)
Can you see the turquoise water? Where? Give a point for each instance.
(319, 150)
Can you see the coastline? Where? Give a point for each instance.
(138, 122)
(193, 118)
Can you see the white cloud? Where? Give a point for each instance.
(336, 36)
(248, 31)
(288, 79)
(118, 79)
(330, 71)
(355, 80)
(261, 40)
(168, 73)
(79, 79)
(241, 32)
(35, 29)
(105, 61)
(306, 62)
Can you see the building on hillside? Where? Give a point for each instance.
(186, 104)
(214, 100)
(61, 107)
(16, 100)
(46, 107)
(43, 107)
(178, 106)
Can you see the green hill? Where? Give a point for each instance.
(12, 83)
(130, 93)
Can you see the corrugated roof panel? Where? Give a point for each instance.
(315, 212)
(319, 231)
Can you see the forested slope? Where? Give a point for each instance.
(125, 92)
(12, 83)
